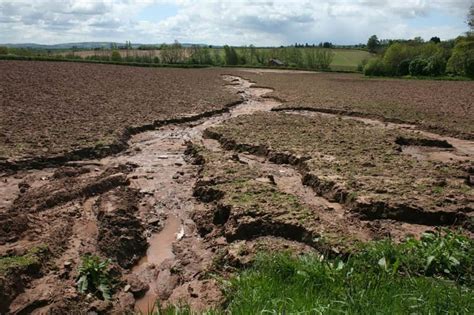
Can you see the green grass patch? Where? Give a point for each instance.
(428, 276)
(31, 258)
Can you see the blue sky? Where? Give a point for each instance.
(235, 22)
(157, 12)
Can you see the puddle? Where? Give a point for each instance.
(160, 249)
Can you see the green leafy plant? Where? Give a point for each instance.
(94, 276)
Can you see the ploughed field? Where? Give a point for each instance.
(442, 106)
(192, 183)
(54, 108)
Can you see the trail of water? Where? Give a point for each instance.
(168, 180)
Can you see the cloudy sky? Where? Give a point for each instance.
(235, 22)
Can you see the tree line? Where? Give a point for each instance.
(305, 57)
(416, 57)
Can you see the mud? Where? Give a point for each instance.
(427, 145)
(168, 215)
(133, 207)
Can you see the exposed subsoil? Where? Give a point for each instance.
(172, 210)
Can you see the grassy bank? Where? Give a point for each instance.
(430, 276)
(433, 275)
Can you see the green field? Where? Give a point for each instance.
(348, 59)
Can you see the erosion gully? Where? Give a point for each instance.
(166, 180)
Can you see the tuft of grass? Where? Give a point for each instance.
(30, 259)
(415, 276)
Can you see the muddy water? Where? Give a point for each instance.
(167, 181)
(463, 150)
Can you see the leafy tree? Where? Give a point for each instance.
(395, 54)
(3, 50)
(172, 53)
(470, 18)
(200, 55)
(324, 58)
(373, 43)
(461, 61)
(435, 39)
(231, 56)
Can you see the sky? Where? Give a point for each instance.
(236, 22)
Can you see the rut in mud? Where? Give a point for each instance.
(151, 181)
(138, 208)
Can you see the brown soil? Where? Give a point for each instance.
(50, 110)
(441, 106)
(175, 209)
(359, 165)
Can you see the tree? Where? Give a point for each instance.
(231, 57)
(470, 18)
(373, 43)
(461, 61)
(435, 39)
(172, 53)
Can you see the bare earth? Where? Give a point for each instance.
(187, 199)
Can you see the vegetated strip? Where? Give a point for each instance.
(333, 192)
(100, 151)
(352, 113)
(163, 65)
(119, 63)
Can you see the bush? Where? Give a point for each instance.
(362, 64)
(403, 67)
(436, 65)
(395, 54)
(375, 67)
(116, 56)
(418, 67)
(3, 50)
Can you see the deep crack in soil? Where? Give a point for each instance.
(116, 205)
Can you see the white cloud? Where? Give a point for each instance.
(235, 22)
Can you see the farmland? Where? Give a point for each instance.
(441, 106)
(47, 112)
(234, 190)
(344, 59)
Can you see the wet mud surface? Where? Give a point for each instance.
(181, 204)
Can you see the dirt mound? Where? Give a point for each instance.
(121, 234)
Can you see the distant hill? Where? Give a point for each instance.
(83, 45)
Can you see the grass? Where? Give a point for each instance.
(383, 278)
(349, 59)
(31, 258)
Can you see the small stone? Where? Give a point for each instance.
(162, 157)
(127, 288)
(67, 264)
(153, 221)
(178, 164)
